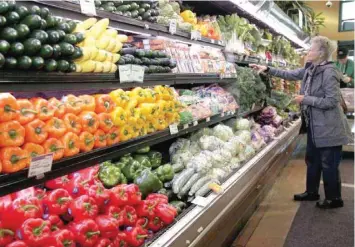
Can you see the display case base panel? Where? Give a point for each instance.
(218, 223)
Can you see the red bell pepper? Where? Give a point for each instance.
(83, 207)
(55, 222)
(166, 213)
(35, 232)
(131, 216)
(57, 183)
(155, 224)
(17, 243)
(100, 194)
(108, 226)
(146, 209)
(119, 195)
(6, 236)
(117, 213)
(86, 232)
(40, 193)
(160, 198)
(142, 222)
(77, 186)
(104, 242)
(120, 240)
(57, 201)
(89, 174)
(25, 193)
(135, 236)
(20, 210)
(134, 195)
(5, 201)
(63, 238)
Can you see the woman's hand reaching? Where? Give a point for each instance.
(258, 68)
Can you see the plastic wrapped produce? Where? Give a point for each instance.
(200, 133)
(242, 124)
(218, 173)
(210, 143)
(267, 133)
(277, 121)
(257, 141)
(179, 144)
(220, 158)
(181, 157)
(244, 135)
(234, 163)
(235, 145)
(194, 148)
(249, 152)
(201, 163)
(223, 132)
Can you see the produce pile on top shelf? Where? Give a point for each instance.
(34, 39)
(73, 124)
(211, 154)
(203, 102)
(77, 210)
(248, 89)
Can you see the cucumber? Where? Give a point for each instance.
(57, 51)
(46, 51)
(53, 37)
(199, 184)
(37, 63)
(9, 34)
(72, 67)
(44, 12)
(178, 205)
(35, 10)
(143, 150)
(66, 49)
(16, 49)
(63, 65)
(79, 37)
(4, 7)
(2, 21)
(123, 8)
(12, 17)
(4, 46)
(70, 38)
(182, 179)
(32, 21)
(43, 25)
(40, 35)
(24, 62)
(22, 31)
(64, 26)
(205, 188)
(51, 65)
(2, 60)
(51, 21)
(10, 63)
(178, 167)
(32, 46)
(72, 26)
(185, 189)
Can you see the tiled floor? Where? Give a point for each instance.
(271, 223)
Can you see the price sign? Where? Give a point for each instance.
(88, 7)
(172, 26)
(186, 126)
(173, 129)
(195, 35)
(195, 123)
(137, 73)
(40, 165)
(200, 201)
(222, 114)
(208, 119)
(125, 73)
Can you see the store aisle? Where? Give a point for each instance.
(281, 222)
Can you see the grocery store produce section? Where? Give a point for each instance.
(134, 123)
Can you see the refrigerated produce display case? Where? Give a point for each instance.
(138, 123)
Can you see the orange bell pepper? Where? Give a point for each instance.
(104, 103)
(59, 107)
(72, 104)
(100, 139)
(36, 131)
(88, 103)
(12, 134)
(55, 146)
(33, 149)
(105, 121)
(26, 111)
(89, 121)
(72, 123)
(8, 107)
(44, 110)
(87, 141)
(113, 136)
(71, 144)
(56, 127)
(13, 159)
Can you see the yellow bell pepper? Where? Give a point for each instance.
(159, 92)
(149, 110)
(120, 97)
(150, 127)
(143, 131)
(119, 116)
(150, 95)
(132, 103)
(125, 133)
(135, 131)
(160, 124)
(189, 16)
(138, 94)
(162, 104)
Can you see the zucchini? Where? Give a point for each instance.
(128, 51)
(199, 184)
(182, 179)
(185, 189)
(178, 167)
(205, 188)
(178, 205)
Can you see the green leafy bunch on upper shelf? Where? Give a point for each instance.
(282, 47)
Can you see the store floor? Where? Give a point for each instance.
(281, 222)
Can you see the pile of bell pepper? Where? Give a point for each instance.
(77, 210)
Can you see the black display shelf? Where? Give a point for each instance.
(72, 11)
(13, 182)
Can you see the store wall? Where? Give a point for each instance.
(331, 20)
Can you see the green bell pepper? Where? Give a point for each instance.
(143, 150)
(125, 159)
(119, 164)
(148, 182)
(109, 175)
(165, 172)
(142, 159)
(132, 169)
(155, 158)
(123, 179)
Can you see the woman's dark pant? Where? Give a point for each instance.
(323, 160)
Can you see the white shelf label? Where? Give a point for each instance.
(208, 119)
(173, 129)
(137, 73)
(40, 165)
(125, 73)
(195, 35)
(195, 123)
(172, 26)
(186, 126)
(200, 201)
(222, 114)
(88, 7)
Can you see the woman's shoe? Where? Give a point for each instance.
(306, 196)
(327, 204)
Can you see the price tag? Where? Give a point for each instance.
(40, 165)
(173, 129)
(88, 7)
(195, 123)
(213, 41)
(146, 26)
(186, 126)
(200, 201)
(208, 119)
(137, 73)
(125, 73)
(172, 26)
(195, 35)
(222, 114)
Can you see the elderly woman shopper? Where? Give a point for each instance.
(322, 119)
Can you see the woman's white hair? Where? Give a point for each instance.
(326, 47)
